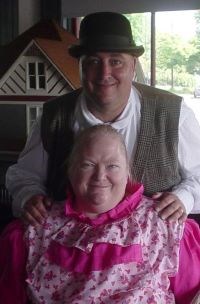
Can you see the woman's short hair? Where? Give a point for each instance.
(89, 134)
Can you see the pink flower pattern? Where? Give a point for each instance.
(143, 281)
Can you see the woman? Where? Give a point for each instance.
(105, 244)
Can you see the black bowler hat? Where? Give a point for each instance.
(106, 32)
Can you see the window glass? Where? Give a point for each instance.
(178, 54)
(40, 68)
(33, 112)
(42, 82)
(32, 82)
(141, 29)
(31, 68)
(36, 75)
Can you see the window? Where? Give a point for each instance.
(33, 112)
(36, 75)
(141, 29)
(178, 54)
(174, 61)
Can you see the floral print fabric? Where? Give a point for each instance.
(124, 256)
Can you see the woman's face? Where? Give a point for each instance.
(100, 174)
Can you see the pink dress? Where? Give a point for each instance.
(125, 255)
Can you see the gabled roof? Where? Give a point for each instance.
(53, 40)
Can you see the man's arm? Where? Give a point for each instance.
(27, 178)
(186, 195)
(188, 190)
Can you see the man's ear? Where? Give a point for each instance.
(134, 62)
(80, 68)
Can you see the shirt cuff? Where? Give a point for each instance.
(19, 202)
(186, 198)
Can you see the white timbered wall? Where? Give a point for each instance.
(16, 82)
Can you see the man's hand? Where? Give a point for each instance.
(170, 207)
(35, 209)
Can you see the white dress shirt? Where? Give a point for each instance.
(27, 177)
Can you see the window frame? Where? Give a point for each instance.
(29, 120)
(36, 75)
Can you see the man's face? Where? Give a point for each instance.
(107, 78)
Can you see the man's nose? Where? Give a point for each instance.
(105, 69)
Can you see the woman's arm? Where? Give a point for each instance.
(186, 283)
(13, 255)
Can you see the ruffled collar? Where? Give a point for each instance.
(124, 208)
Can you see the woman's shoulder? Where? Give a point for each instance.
(13, 230)
(12, 243)
(55, 219)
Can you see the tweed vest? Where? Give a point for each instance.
(156, 160)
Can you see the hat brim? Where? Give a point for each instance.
(77, 51)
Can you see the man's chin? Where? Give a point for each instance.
(105, 99)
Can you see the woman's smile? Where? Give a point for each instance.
(99, 179)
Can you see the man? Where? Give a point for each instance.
(161, 133)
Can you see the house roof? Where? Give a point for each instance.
(53, 40)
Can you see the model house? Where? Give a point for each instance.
(35, 67)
